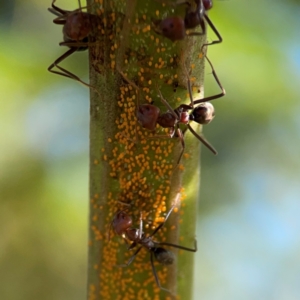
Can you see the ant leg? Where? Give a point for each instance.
(54, 12)
(61, 18)
(179, 247)
(130, 259)
(141, 227)
(202, 140)
(62, 11)
(155, 274)
(194, 33)
(60, 59)
(82, 45)
(219, 83)
(183, 3)
(214, 29)
(179, 132)
(165, 102)
(189, 89)
(128, 80)
(181, 137)
(79, 4)
(65, 72)
(163, 223)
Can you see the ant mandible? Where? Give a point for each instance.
(149, 115)
(174, 28)
(77, 26)
(122, 223)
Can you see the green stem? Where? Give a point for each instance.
(131, 165)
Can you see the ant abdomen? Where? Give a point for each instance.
(77, 26)
(164, 256)
(203, 113)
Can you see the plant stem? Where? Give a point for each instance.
(131, 165)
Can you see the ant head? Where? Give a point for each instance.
(172, 28)
(121, 222)
(203, 113)
(164, 256)
(208, 4)
(147, 115)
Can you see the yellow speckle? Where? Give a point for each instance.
(109, 140)
(157, 13)
(186, 155)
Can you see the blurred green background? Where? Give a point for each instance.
(249, 224)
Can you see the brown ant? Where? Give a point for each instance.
(174, 28)
(149, 115)
(122, 223)
(77, 27)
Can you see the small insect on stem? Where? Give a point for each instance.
(77, 28)
(122, 225)
(175, 28)
(149, 115)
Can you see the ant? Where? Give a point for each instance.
(77, 27)
(122, 223)
(174, 28)
(149, 115)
